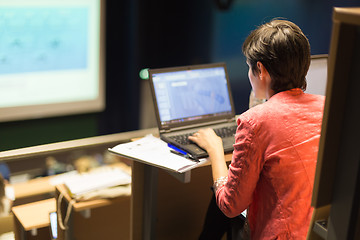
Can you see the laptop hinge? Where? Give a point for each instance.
(197, 125)
(231, 119)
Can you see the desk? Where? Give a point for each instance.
(43, 187)
(33, 190)
(32, 220)
(162, 207)
(95, 219)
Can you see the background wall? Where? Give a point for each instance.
(160, 33)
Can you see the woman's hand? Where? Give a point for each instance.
(208, 140)
(212, 143)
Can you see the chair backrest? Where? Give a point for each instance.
(7, 223)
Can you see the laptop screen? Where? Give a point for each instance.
(191, 94)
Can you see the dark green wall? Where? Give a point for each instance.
(42, 131)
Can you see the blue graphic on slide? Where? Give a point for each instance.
(43, 39)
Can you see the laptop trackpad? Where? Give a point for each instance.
(195, 149)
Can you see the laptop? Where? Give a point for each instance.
(189, 98)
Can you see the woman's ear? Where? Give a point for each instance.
(265, 79)
(263, 73)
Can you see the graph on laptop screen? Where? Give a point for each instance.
(191, 94)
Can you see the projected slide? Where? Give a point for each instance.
(51, 58)
(42, 39)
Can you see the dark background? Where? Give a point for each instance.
(158, 33)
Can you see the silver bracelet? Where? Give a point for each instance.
(220, 182)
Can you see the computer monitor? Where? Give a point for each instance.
(316, 77)
(342, 102)
(51, 58)
(337, 177)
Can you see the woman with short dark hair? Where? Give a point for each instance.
(276, 143)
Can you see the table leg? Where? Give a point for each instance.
(150, 202)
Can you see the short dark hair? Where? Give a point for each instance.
(283, 49)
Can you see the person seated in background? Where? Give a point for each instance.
(5, 171)
(276, 143)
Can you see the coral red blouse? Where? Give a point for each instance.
(273, 166)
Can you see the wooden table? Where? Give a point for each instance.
(95, 219)
(33, 190)
(43, 188)
(32, 220)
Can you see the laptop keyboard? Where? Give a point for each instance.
(221, 132)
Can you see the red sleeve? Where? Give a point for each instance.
(244, 171)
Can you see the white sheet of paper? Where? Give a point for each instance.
(153, 151)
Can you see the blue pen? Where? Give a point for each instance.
(178, 150)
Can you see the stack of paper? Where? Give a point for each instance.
(153, 151)
(95, 180)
